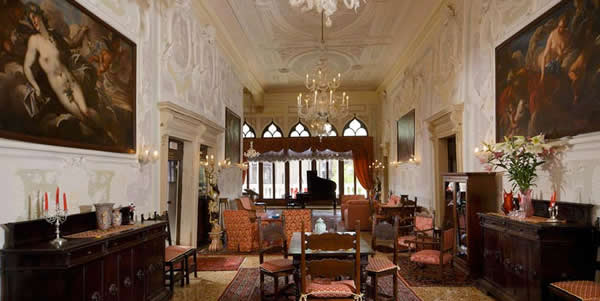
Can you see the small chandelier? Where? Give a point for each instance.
(377, 165)
(323, 103)
(251, 153)
(326, 7)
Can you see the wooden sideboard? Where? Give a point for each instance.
(521, 257)
(127, 265)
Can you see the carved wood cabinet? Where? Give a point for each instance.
(127, 265)
(521, 258)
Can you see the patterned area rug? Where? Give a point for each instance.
(224, 263)
(245, 287)
(417, 276)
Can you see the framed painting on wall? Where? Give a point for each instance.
(233, 129)
(548, 74)
(406, 137)
(66, 77)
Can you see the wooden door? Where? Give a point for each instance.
(93, 280)
(155, 254)
(111, 277)
(493, 266)
(126, 275)
(520, 266)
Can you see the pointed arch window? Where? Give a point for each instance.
(355, 127)
(299, 130)
(330, 130)
(272, 131)
(248, 131)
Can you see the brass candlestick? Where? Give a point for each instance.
(553, 210)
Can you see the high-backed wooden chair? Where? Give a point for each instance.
(330, 278)
(294, 219)
(384, 235)
(419, 225)
(440, 251)
(179, 259)
(271, 239)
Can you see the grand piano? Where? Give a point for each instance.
(320, 191)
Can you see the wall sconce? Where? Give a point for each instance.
(148, 155)
(411, 161)
(242, 166)
(377, 165)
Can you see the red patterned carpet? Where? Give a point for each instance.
(224, 263)
(428, 276)
(245, 287)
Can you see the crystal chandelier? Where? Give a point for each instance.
(323, 103)
(326, 7)
(251, 153)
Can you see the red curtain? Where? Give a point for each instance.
(361, 147)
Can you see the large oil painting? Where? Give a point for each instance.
(548, 74)
(66, 77)
(406, 137)
(233, 129)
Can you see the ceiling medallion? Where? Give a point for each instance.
(326, 7)
(323, 103)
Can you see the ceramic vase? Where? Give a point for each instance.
(117, 218)
(104, 215)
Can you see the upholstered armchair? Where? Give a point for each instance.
(346, 198)
(241, 231)
(293, 219)
(357, 210)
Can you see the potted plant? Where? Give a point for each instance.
(520, 157)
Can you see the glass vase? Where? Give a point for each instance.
(525, 203)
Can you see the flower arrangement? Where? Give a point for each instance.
(520, 157)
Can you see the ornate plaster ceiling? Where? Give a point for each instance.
(281, 43)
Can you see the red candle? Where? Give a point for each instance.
(65, 200)
(46, 201)
(553, 199)
(57, 194)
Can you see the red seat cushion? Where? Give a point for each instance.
(430, 257)
(277, 265)
(331, 289)
(584, 290)
(380, 264)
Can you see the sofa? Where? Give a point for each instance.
(357, 210)
(344, 201)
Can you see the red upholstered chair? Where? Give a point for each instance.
(271, 239)
(577, 290)
(357, 210)
(438, 252)
(241, 232)
(293, 221)
(394, 200)
(422, 225)
(349, 197)
(330, 278)
(384, 234)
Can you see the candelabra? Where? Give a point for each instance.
(59, 217)
(411, 160)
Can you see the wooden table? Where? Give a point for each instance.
(295, 250)
(401, 211)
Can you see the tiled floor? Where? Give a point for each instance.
(210, 285)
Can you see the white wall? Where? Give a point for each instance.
(451, 62)
(179, 61)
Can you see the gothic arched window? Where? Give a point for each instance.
(272, 131)
(355, 127)
(248, 131)
(299, 130)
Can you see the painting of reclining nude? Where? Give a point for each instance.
(548, 74)
(66, 77)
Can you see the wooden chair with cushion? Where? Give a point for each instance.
(440, 251)
(240, 231)
(577, 290)
(384, 237)
(245, 203)
(419, 225)
(179, 259)
(293, 221)
(330, 278)
(271, 239)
